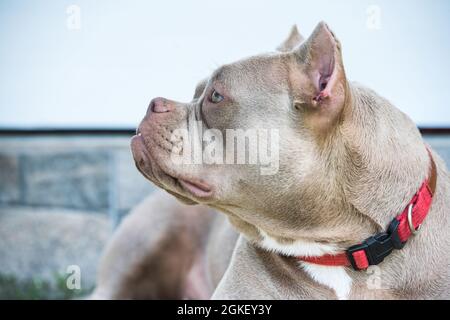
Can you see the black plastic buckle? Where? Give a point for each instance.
(379, 246)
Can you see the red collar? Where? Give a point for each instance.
(374, 249)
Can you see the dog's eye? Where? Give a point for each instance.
(216, 97)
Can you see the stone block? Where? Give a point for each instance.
(79, 180)
(9, 179)
(40, 244)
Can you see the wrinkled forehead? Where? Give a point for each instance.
(265, 72)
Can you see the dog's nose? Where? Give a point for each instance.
(160, 105)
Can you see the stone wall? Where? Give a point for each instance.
(60, 199)
(86, 173)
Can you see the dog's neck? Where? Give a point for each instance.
(364, 174)
(387, 160)
(376, 163)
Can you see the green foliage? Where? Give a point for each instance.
(38, 289)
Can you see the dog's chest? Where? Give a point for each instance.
(335, 278)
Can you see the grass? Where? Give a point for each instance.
(36, 289)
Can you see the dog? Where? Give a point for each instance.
(338, 218)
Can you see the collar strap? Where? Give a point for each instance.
(374, 249)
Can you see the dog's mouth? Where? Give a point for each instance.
(199, 189)
(152, 163)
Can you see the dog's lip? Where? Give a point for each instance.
(136, 140)
(195, 187)
(198, 189)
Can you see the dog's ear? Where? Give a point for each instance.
(293, 40)
(318, 79)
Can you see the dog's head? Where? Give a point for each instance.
(251, 137)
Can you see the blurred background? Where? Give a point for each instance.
(76, 78)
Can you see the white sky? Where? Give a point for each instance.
(127, 52)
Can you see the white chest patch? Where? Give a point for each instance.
(335, 278)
